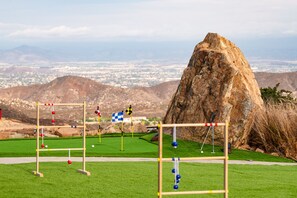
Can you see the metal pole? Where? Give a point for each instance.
(212, 130)
(122, 137)
(132, 127)
(99, 132)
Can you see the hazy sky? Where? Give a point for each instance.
(25, 21)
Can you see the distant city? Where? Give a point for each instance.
(121, 74)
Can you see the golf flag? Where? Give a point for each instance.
(98, 112)
(118, 117)
(129, 110)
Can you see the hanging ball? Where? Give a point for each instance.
(93, 145)
(174, 144)
(175, 187)
(201, 151)
(69, 162)
(45, 146)
(53, 112)
(177, 181)
(173, 170)
(42, 145)
(178, 176)
(53, 121)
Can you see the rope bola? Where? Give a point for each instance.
(175, 169)
(174, 142)
(53, 114)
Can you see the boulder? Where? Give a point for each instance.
(218, 79)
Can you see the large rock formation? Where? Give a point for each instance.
(218, 78)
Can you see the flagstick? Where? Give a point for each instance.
(99, 132)
(132, 127)
(122, 138)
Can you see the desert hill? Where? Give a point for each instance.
(287, 80)
(146, 101)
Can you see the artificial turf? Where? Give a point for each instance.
(138, 146)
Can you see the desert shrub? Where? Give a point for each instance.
(275, 129)
(273, 95)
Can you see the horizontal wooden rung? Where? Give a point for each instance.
(193, 125)
(195, 158)
(194, 192)
(61, 149)
(70, 126)
(60, 104)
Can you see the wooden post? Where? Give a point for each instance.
(37, 173)
(84, 137)
(160, 167)
(83, 170)
(226, 150)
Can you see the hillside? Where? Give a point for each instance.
(146, 101)
(287, 81)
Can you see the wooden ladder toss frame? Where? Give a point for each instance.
(161, 160)
(38, 150)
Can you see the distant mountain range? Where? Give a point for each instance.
(146, 101)
(123, 51)
(26, 54)
(261, 48)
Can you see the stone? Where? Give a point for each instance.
(259, 150)
(274, 154)
(218, 79)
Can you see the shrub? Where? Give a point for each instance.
(275, 129)
(276, 96)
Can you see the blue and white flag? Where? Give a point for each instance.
(118, 117)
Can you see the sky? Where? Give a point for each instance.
(37, 22)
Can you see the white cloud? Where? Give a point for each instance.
(153, 20)
(50, 32)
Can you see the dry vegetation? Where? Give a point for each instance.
(275, 130)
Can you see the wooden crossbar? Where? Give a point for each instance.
(62, 149)
(194, 192)
(192, 125)
(54, 126)
(61, 104)
(194, 158)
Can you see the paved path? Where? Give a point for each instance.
(20, 160)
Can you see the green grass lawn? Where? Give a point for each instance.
(139, 179)
(134, 147)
